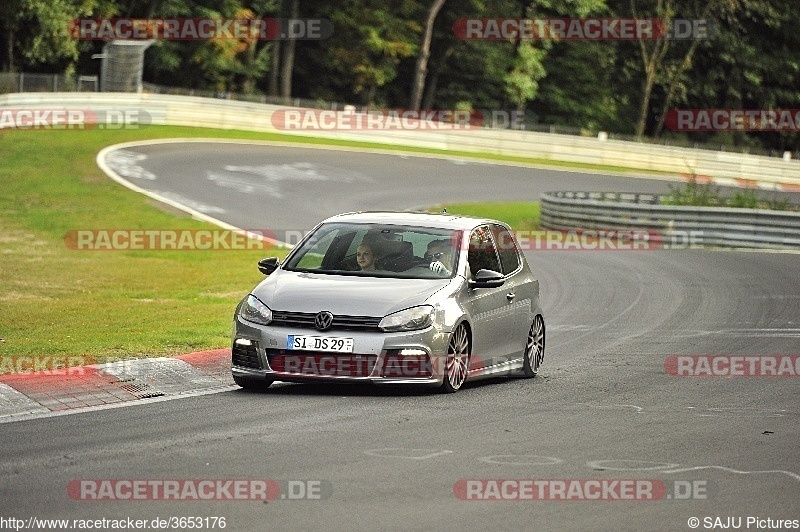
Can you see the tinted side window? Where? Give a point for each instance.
(507, 249)
(482, 253)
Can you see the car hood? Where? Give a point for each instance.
(344, 294)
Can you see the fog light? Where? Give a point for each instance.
(407, 364)
(243, 341)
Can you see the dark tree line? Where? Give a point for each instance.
(404, 53)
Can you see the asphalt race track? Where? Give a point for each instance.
(603, 409)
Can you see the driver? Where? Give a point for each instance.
(440, 255)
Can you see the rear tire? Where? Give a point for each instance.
(256, 385)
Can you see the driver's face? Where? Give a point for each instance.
(439, 253)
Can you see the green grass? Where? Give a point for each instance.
(122, 304)
(102, 304)
(521, 216)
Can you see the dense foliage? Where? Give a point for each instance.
(404, 53)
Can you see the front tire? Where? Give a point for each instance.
(534, 349)
(457, 365)
(255, 385)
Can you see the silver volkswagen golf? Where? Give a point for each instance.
(395, 298)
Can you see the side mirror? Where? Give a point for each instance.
(487, 279)
(268, 265)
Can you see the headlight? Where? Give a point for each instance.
(409, 319)
(256, 311)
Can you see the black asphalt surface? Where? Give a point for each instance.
(603, 407)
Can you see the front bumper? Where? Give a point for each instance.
(259, 352)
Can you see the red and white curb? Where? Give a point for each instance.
(741, 183)
(116, 383)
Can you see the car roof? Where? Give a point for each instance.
(423, 219)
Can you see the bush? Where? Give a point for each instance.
(692, 194)
(696, 194)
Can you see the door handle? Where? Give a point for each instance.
(510, 296)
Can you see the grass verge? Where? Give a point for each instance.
(521, 216)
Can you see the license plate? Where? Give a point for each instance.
(328, 344)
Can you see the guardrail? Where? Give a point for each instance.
(226, 114)
(699, 226)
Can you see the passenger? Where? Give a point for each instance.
(365, 256)
(440, 256)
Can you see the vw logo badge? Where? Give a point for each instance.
(323, 320)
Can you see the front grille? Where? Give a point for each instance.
(245, 356)
(305, 320)
(321, 364)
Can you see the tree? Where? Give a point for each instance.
(522, 82)
(655, 53)
(233, 64)
(423, 55)
(220, 64)
(371, 38)
(46, 37)
(581, 88)
(752, 62)
(287, 61)
(9, 14)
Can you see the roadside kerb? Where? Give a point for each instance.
(114, 383)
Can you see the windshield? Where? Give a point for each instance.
(378, 250)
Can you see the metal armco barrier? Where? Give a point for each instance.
(225, 114)
(698, 226)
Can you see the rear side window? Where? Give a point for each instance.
(506, 248)
(482, 253)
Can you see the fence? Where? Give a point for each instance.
(21, 82)
(707, 226)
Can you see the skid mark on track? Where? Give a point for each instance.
(521, 459)
(196, 205)
(407, 453)
(612, 464)
(691, 410)
(717, 412)
(269, 179)
(791, 474)
(636, 409)
(126, 164)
